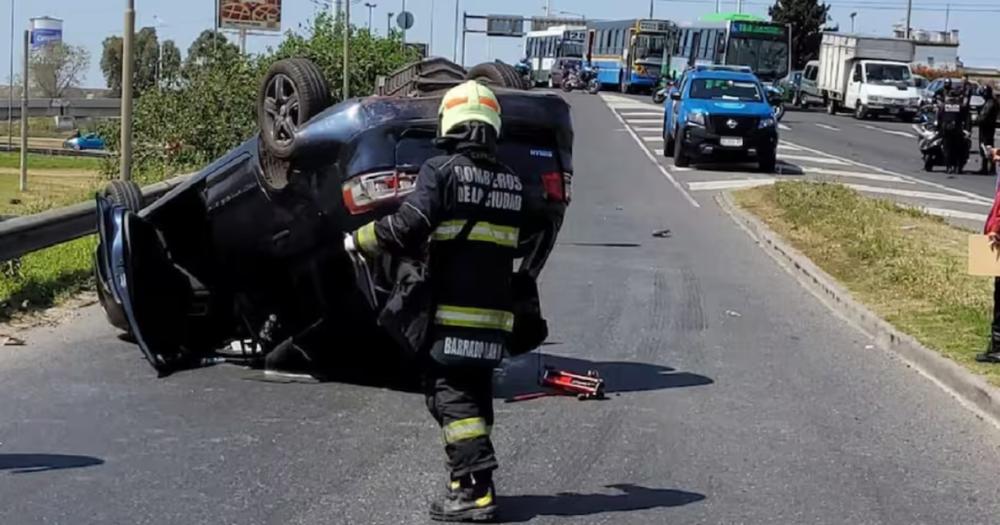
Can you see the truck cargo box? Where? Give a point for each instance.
(838, 52)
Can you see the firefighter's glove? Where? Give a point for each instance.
(362, 240)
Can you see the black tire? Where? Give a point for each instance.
(779, 112)
(493, 74)
(860, 111)
(831, 107)
(124, 193)
(293, 91)
(681, 158)
(767, 161)
(928, 163)
(566, 86)
(512, 79)
(593, 87)
(668, 146)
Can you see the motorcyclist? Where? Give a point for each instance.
(466, 207)
(987, 128)
(952, 115)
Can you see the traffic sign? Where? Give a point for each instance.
(404, 20)
(503, 25)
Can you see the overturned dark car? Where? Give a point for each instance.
(247, 254)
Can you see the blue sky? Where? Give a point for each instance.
(88, 22)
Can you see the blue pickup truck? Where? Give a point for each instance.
(720, 114)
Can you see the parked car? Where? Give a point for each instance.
(809, 94)
(249, 250)
(927, 94)
(720, 114)
(790, 85)
(85, 142)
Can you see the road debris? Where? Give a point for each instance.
(562, 383)
(9, 340)
(733, 313)
(662, 234)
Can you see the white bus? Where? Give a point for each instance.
(543, 49)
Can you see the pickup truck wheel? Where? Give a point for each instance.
(124, 193)
(293, 92)
(681, 159)
(668, 145)
(767, 160)
(860, 111)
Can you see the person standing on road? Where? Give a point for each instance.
(992, 230)
(987, 128)
(952, 116)
(467, 205)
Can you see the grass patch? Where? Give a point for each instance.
(46, 189)
(43, 278)
(12, 160)
(907, 266)
(37, 127)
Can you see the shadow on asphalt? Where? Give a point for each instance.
(518, 509)
(32, 463)
(520, 375)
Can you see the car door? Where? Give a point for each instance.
(670, 107)
(854, 87)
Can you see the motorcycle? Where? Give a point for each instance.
(584, 79)
(661, 89)
(931, 140)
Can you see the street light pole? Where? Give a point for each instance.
(854, 14)
(370, 7)
(909, 12)
(347, 43)
(10, 84)
(127, 58)
(23, 185)
(388, 24)
(651, 8)
(430, 38)
(402, 12)
(454, 53)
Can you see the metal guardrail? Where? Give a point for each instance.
(21, 235)
(60, 152)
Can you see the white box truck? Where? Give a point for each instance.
(868, 76)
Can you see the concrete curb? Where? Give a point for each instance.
(970, 389)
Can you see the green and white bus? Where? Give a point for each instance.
(735, 39)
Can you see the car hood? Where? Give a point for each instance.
(730, 107)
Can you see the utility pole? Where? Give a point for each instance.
(947, 17)
(717, 6)
(909, 13)
(347, 43)
(454, 53)
(10, 84)
(388, 24)
(651, 8)
(430, 39)
(548, 8)
(23, 185)
(404, 27)
(370, 7)
(243, 41)
(128, 55)
(739, 6)
(854, 14)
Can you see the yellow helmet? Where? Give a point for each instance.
(467, 102)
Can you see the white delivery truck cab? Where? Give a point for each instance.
(868, 76)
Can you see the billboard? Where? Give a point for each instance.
(263, 15)
(45, 30)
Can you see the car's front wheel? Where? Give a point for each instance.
(681, 158)
(767, 160)
(124, 193)
(668, 144)
(860, 111)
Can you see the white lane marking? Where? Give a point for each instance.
(784, 127)
(656, 163)
(646, 129)
(827, 126)
(788, 147)
(658, 152)
(678, 168)
(915, 194)
(729, 184)
(955, 214)
(634, 121)
(857, 175)
(652, 139)
(807, 158)
(889, 131)
(629, 114)
(900, 175)
(917, 128)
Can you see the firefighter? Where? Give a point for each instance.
(467, 205)
(987, 128)
(952, 115)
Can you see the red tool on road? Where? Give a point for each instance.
(589, 386)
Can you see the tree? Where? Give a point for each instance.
(147, 61)
(209, 48)
(111, 64)
(807, 18)
(170, 66)
(57, 66)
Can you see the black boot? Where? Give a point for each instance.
(472, 499)
(992, 353)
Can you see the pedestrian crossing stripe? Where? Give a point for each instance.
(813, 158)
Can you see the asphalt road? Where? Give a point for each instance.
(735, 398)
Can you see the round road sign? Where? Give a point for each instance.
(404, 20)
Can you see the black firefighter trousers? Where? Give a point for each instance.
(461, 401)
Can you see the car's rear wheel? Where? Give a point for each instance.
(124, 193)
(681, 158)
(293, 92)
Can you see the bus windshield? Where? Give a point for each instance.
(570, 48)
(767, 58)
(718, 89)
(649, 46)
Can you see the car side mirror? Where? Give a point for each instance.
(675, 95)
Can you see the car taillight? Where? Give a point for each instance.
(557, 186)
(363, 193)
